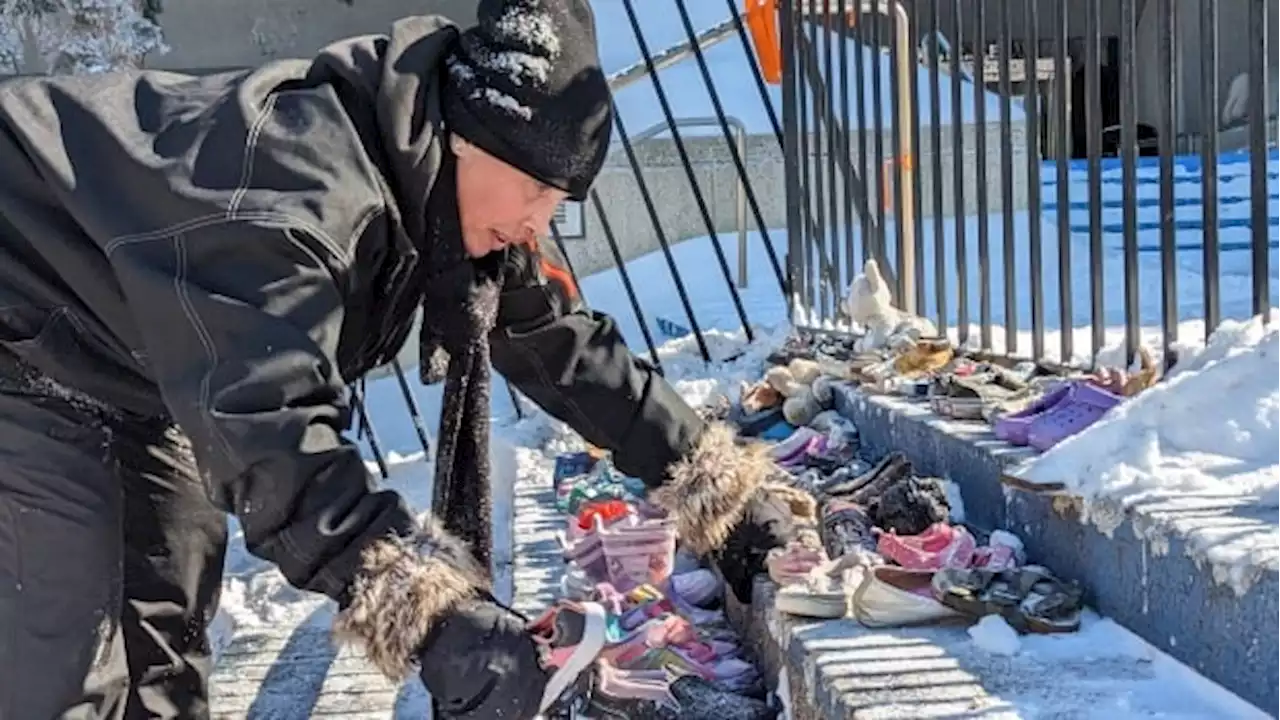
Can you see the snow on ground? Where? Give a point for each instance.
(1206, 438)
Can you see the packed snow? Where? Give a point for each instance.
(1204, 444)
(993, 634)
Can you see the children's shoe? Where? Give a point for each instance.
(1013, 427)
(639, 552)
(630, 695)
(667, 631)
(1003, 551)
(700, 587)
(587, 553)
(699, 699)
(575, 584)
(1084, 405)
(571, 636)
(647, 601)
(940, 546)
(825, 592)
(846, 529)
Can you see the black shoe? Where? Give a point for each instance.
(701, 700)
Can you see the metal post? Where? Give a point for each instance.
(740, 202)
(904, 165)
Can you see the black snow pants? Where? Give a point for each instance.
(110, 560)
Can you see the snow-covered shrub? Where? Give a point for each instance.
(76, 36)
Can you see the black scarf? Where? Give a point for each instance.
(458, 311)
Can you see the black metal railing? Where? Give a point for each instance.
(992, 156)
(1086, 217)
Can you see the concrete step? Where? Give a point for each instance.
(838, 670)
(1144, 567)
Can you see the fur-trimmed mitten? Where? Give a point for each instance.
(721, 499)
(422, 603)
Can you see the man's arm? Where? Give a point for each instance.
(576, 366)
(240, 323)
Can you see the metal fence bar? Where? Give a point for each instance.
(806, 178)
(980, 170)
(904, 293)
(877, 120)
(935, 140)
(364, 428)
(739, 162)
(1093, 143)
(869, 226)
(792, 156)
(809, 58)
(1168, 239)
(1209, 162)
(415, 415)
(828, 51)
(912, 161)
(1259, 103)
(1031, 108)
(607, 228)
(845, 158)
(819, 187)
(701, 202)
(1006, 181)
(656, 223)
(1128, 162)
(1066, 320)
(954, 57)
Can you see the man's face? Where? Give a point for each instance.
(498, 204)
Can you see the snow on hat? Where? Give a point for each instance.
(526, 86)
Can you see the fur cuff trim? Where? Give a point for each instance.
(707, 490)
(403, 587)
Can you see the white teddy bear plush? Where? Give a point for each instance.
(870, 304)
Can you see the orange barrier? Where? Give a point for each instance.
(762, 21)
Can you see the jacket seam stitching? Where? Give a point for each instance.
(213, 219)
(250, 150)
(210, 350)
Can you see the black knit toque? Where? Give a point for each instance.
(526, 87)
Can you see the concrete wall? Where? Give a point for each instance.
(234, 33)
(717, 177)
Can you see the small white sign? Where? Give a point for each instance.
(568, 220)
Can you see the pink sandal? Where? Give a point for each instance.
(940, 546)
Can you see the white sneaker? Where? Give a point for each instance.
(896, 597)
(825, 592)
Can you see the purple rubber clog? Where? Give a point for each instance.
(1012, 428)
(1084, 404)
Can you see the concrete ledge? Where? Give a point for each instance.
(838, 670)
(1142, 567)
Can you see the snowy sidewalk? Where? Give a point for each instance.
(840, 669)
(278, 662)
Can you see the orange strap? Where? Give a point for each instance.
(554, 273)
